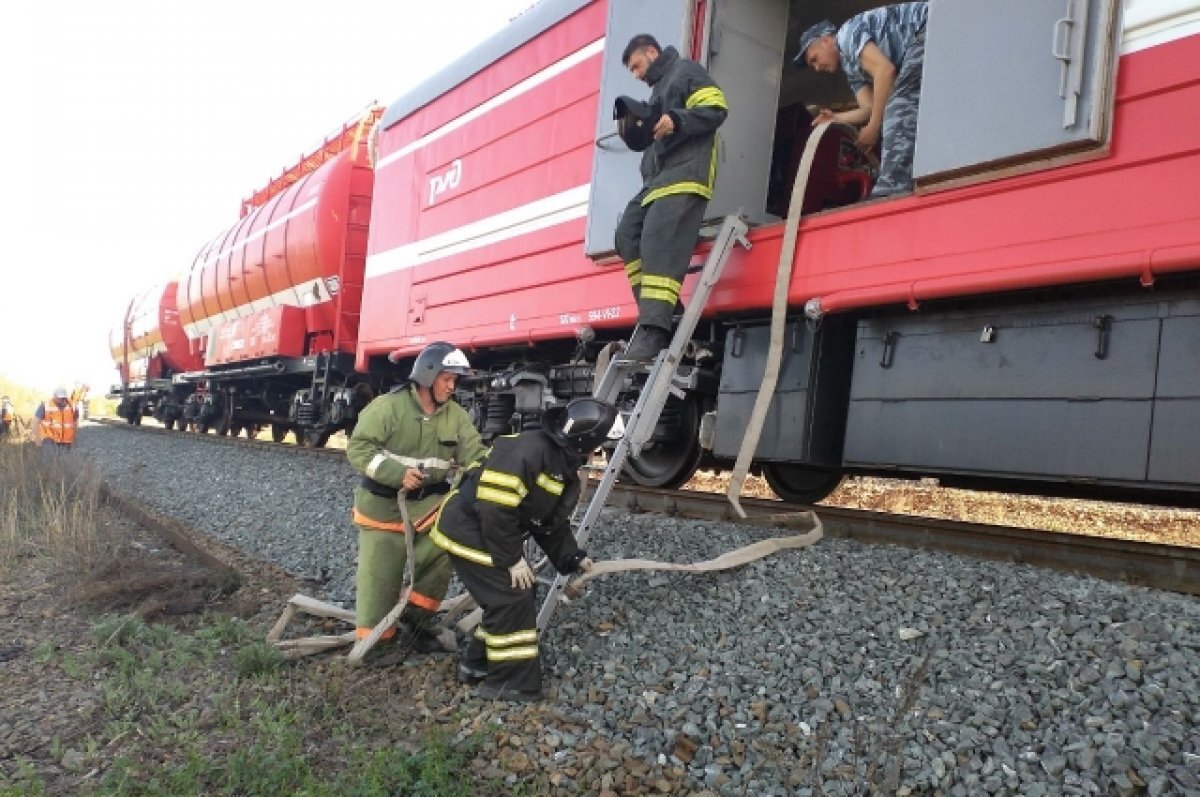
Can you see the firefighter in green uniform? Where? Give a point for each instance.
(412, 439)
(527, 485)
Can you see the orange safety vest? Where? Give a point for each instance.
(6, 413)
(58, 423)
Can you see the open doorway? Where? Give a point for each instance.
(1007, 87)
(1044, 72)
(750, 49)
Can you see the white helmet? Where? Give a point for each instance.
(436, 358)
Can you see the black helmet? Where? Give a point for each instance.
(435, 358)
(636, 121)
(583, 425)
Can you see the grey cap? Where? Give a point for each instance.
(822, 28)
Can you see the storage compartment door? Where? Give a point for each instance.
(745, 48)
(615, 175)
(1176, 438)
(1013, 81)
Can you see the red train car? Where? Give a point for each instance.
(271, 305)
(149, 349)
(1027, 319)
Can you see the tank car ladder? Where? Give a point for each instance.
(658, 388)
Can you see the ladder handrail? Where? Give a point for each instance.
(653, 396)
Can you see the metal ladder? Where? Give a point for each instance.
(658, 388)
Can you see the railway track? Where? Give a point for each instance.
(1156, 565)
(1167, 567)
(215, 439)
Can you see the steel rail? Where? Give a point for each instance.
(1173, 568)
(242, 442)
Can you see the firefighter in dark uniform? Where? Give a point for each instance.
(411, 439)
(659, 227)
(527, 485)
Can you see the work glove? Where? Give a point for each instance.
(578, 563)
(522, 575)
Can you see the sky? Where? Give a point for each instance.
(134, 129)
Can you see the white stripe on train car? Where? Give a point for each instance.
(537, 215)
(308, 294)
(531, 82)
(259, 233)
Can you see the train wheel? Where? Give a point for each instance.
(235, 429)
(278, 432)
(800, 484)
(315, 439)
(670, 462)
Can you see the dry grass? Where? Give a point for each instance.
(49, 505)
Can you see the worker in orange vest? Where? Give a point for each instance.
(7, 416)
(57, 420)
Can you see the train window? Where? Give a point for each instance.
(1040, 85)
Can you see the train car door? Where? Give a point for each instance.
(743, 49)
(1013, 83)
(615, 176)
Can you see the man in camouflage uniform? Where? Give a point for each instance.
(411, 439)
(659, 227)
(882, 52)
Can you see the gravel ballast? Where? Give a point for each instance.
(836, 669)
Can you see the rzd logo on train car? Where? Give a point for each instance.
(441, 183)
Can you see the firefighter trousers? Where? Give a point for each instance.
(506, 641)
(380, 578)
(656, 242)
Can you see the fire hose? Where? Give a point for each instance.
(726, 561)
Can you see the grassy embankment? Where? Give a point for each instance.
(168, 703)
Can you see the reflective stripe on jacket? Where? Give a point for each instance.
(528, 484)
(394, 434)
(58, 423)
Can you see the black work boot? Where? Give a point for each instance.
(647, 342)
(423, 638)
(469, 673)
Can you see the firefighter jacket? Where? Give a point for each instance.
(394, 434)
(684, 162)
(528, 484)
(57, 422)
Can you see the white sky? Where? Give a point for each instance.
(135, 128)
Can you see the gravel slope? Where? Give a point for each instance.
(838, 669)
